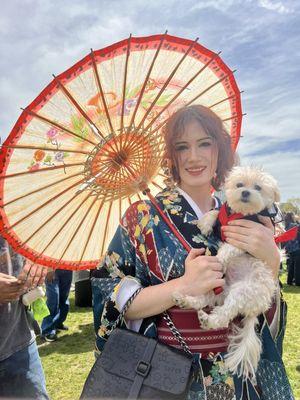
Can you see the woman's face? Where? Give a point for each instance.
(196, 156)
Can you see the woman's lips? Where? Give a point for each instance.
(195, 171)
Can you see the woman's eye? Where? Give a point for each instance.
(205, 144)
(180, 148)
(239, 185)
(257, 187)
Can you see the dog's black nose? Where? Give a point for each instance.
(245, 194)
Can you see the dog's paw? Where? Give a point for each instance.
(206, 223)
(180, 300)
(217, 320)
(203, 319)
(204, 227)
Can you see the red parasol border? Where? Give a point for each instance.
(71, 73)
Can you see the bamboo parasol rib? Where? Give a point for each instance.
(91, 144)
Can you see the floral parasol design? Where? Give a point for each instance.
(91, 142)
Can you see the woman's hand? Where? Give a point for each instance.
(202, 274)
(32, 275)
(256, 239)
(10, 288)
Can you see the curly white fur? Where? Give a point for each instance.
(249, 286)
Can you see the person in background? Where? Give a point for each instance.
(58, 284)
(292, 249)
(21, 371)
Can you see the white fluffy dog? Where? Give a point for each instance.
(249, 286)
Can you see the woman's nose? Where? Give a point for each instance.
(193, 153)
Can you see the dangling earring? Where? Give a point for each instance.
(167, 168)
(214, 180)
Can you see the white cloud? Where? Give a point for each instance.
(275, 6)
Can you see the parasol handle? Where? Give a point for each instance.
(184, 243)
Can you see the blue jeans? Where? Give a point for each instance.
(57, 293)
(22, 376)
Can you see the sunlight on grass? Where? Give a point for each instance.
(68, 361)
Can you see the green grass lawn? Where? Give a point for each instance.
(67, 362)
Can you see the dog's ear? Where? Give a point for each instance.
(276, 195)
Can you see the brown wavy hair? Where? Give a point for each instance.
(214, 128)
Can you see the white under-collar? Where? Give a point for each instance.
(193, 204)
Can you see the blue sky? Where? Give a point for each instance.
(259, 38)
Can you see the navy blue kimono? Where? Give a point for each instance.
(144, 239)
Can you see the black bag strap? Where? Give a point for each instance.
(121, 316)
(166, 317)
(176, 333)
(142, 369)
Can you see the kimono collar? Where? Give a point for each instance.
(193, 204)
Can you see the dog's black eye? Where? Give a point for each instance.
(257, 187)
(238, 185)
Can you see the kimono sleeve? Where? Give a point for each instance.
(121, 271)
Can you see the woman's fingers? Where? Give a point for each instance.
(245, 231)
(246, 223)
(236, 243)
(43, 273)
(194, 253)
(236, 236)
(266, 221)
(31, 275)
(217, 283)
(216, 266)
(218, 274)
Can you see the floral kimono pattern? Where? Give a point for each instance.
(143, 239)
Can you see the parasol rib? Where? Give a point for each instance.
(146, 80)
(82, 112)
(190, 102)
(162, 175)
(221, 101)
(40, 189)
(79, 225)
(40, 170)
(207, 89)
(187, 104)
(157, 185)
(57, 125)
(100, 89)
(166, 83)
(178, 94)
(233, 117)
(46, 203)
(92, 229)
(124, 86)
(139, 143)
(120, 208)
(105, 229)
(65, 223)
(77, 106)
(50, 218)
(181, 91)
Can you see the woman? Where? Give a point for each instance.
(144, 253)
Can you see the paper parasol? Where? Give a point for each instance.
(81, 152)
